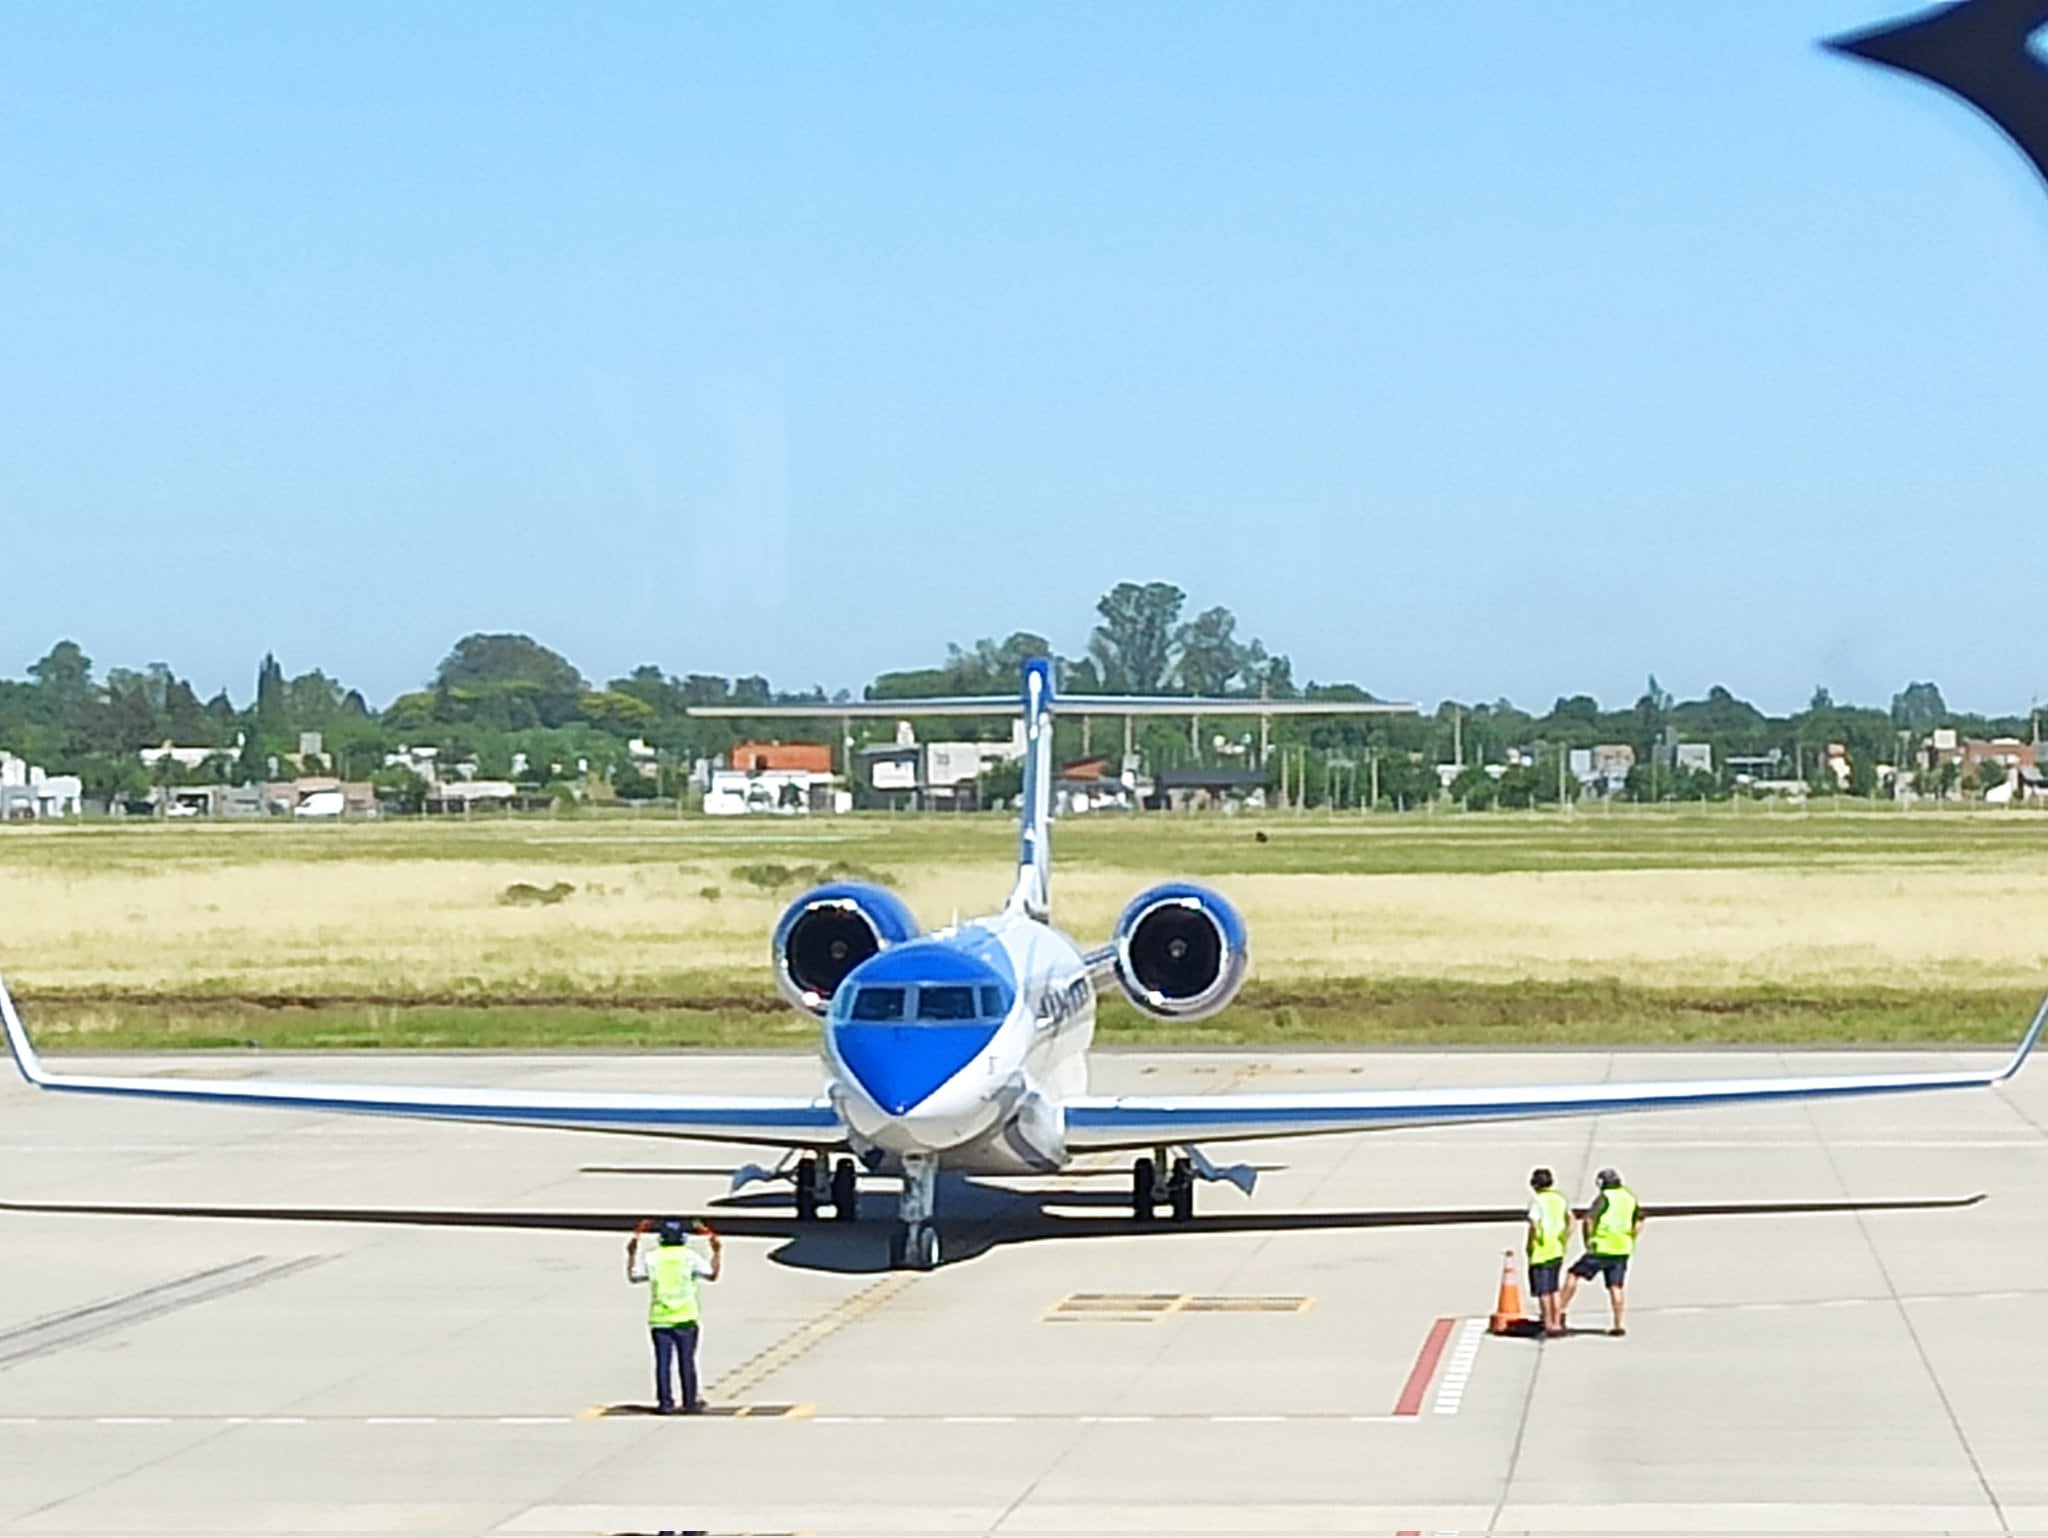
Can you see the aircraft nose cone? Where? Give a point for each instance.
(900, 1065)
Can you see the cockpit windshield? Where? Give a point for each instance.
(945, 1001)
(877, 1004)
(922, 1004)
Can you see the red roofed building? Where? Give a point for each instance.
(784, 757)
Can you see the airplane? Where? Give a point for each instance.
(965, 1048)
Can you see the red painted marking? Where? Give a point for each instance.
(1410, 1402)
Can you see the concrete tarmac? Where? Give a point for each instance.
(1876, 1372)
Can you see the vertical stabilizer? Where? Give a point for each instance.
(1033, 892)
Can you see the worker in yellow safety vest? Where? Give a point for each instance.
(1611, 1226)
(1550, 1223)
(671, 1275)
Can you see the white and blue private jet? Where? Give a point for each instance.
(965, 1049)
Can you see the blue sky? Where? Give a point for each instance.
(1463, 349)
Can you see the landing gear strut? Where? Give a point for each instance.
(1156, 1182)
(915, 1244)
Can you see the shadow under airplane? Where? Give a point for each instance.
(979, 1218)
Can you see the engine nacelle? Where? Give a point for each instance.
(1180, 952)
(828, 932)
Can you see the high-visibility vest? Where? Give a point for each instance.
(671, 1287)
(1553, 1221)
(1614, 1235)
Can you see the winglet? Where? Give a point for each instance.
(2026, 1046)
(18, 1043)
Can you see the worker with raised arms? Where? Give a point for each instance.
(671, 1275)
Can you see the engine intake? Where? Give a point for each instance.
(828, 932)
(1180, 952)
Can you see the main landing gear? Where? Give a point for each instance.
(915, 1244)
(814, 1189)
(1175, 1192)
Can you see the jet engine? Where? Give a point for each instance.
(1180, 952)
(828, 932)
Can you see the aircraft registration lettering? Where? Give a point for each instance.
(1056, 1006)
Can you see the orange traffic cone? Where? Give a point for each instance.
(1507, 1309)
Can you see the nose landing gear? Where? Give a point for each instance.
(915, 1244)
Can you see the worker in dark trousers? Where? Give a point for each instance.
(671, 1274)
(1611, 1226)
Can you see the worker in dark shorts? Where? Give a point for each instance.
(1550, 1221)
(1611, 1226)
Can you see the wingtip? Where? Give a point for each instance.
(2027, 1044)
(18, 1044)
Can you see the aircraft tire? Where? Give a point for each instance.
(899, 1248)
(1144, 1186)
(925, 1251)
(1180, 1191)
(806, 1190)
(845, 1192)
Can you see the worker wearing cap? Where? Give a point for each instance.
(1611, 1226)
(1550, 1223)
(671, 1274)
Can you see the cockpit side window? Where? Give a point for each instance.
(992, 1001)
(878, 1004)
(945, 1001)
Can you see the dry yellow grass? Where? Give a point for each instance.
(424, 928)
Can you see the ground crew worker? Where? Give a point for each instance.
(1550, 1222)
(1612, 1223)
(671, 1274)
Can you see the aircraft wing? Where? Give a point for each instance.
(771, 1120)
(1103, 1122)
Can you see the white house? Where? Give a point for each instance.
(26, 792)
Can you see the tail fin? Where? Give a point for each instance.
(1033, 893)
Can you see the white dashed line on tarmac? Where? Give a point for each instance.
(1451, 1392)
(1446, 1404)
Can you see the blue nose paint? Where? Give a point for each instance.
(900, 1065)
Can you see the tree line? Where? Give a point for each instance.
(515, 709)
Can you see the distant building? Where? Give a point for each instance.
(1086, 785)
(27, 793)
(1695, 756)
(2023, 784)
(1604, 769)
(1194, 790)
(759, 757)
(2009, 751)
(463, 796)
(945, 776)
(774, 792)
(184, 758)
(1754, 768)
(320, 796)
